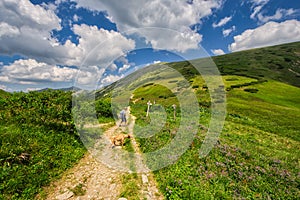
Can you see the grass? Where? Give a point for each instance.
(51, 154)
(139, 109)
(4, 94)
(131, 182)
(279, 63)
(256, 156)
(29, 126)
(130, 186)
(78, 190)
(273, 109)
(276, 63)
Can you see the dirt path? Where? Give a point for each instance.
(149, 189)
(91, 179)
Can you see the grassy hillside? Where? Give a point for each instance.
(280, 63)
(257, 154)
(38, 141)
(4, 94)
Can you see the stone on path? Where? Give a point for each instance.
(144, 179)
(65, 195)
(122, 198)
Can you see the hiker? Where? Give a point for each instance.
(123, 116)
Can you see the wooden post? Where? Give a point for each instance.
(174, 107)
(148, 108)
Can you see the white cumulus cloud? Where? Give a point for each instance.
(88, 77)
(258, 12)
(26, 29)
(98, 46)
(112, 67)
(218, 52)
(271, 33)
(227, 32)
(3, 87)
(76, 18)
(170, 14)
(110, 79)
(32, 72)
(124, 68)
(29, 71)
(21, 13)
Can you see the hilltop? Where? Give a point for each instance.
(72, 89)
(280, 63)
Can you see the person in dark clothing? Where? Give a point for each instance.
(123, 116)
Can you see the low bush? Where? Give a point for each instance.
(38, 141)
(251, 90)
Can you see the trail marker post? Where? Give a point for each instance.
(149, 104)
(174, 107)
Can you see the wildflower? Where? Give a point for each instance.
(240, 174)
(220, 164)
(210, 175)
(180, 182)
(277, 161)
(224, 173)
(285, 173)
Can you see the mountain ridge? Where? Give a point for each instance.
(280, 63)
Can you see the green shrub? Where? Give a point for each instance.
(232, 79)
(251, 90)
(40, 125)
(148, 84)
(103, 108)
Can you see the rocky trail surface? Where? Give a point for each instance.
(91, 179)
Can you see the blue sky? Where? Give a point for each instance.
(61, 43)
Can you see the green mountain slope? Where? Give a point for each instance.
(281, 63)
(257, 155)
(3, 94)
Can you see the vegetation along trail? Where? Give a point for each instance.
(43, 155)
(91, 179)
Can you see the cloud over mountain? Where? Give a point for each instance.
(271, 33)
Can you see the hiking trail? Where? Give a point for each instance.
(92, 179)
